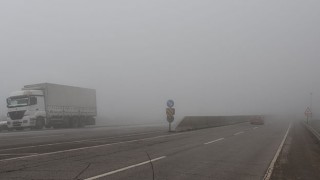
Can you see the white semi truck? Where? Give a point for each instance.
(51, 105)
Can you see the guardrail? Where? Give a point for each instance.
(200, 122)
(312, 130)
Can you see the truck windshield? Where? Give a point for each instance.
(17, 101)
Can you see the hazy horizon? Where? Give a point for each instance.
(211, 57)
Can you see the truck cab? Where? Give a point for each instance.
(26, 109)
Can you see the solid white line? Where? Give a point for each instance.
(214, 141)
(85, 129)
(270, 169)
(255, 128)
(89, 147)
(236, 134)
(80, 141)
(11, 139)
(126, 168)
(21, 154)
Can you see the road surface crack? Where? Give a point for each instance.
(87, 167)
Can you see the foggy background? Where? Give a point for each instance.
(212, 57)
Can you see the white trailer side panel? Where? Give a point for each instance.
(64, 100)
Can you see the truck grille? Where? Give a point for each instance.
(16, 123)
(15, 115)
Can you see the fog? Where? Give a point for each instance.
(212, 57)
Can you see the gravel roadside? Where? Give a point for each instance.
(300, 156)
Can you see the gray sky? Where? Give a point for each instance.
(212, 57)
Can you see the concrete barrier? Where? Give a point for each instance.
(200, 122)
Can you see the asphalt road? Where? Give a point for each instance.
(240, 151)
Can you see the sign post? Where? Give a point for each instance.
(170, 111)
(308, 113)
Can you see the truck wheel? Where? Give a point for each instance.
(92, 121)
(73, 123)
(80, 123)
(39, 124)
(56, 126)
(10, 129)
(20, 129)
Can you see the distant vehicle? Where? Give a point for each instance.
(257, 120)
(3, 125)
(51, 105)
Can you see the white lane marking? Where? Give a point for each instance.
(236, 134)
(68, 130)
(19, 134)
(125, 168)
(80, 141)
(214, 141)
(88, 147)
(19, 154)
(270, 169)
(11, 139)
(255, 128)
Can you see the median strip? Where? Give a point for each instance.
(125, 168)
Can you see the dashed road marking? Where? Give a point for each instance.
(125, 168)
(214, 141)
(236, 134)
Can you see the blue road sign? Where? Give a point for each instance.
(170, 103)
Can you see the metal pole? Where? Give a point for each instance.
(311, 102)
(169, 127)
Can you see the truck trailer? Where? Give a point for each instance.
(51, 105)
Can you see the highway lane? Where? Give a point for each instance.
(239, 151)
(24, 138)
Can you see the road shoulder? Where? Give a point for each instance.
(300, 156)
